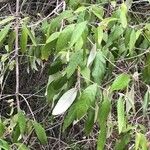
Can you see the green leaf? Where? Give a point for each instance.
(11, 40)
(102, 138)
(85, 72)
(146, 101)
(104, 111)
(80, 9)
(99, 67)
(77, 33)
(123, 15)
(81, 106)
(99, 35)
(132, 41)
(53, 37)
(121, 82)
(21, 146)
(40, 132)
(23, 39)
(140, 142)
(54, 87)
(30, 34)
(70, 117)
(98, 12)
(92, 55)
(45, 51)
(21, 122)
(115, 34)
(4, 145)
(16, 134)
(55, 67)
(2, 129)
(90, 121)
(102, 119)
(130, 100)
(6, 20)
(122, 143)
(4, 32)
(75, 60)
(120, 114)
(64, 38)
(146, 69)
(86, 100)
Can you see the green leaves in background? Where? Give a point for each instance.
(121, 82)
(40, 132)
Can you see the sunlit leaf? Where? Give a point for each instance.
(4, 32)
(23, 39)
(120, 82)
(53, 37)
(65, 102)
(123, 15)
(6, 20)
(120, 114)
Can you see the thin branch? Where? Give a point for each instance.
(28, 106)
(16, 54)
